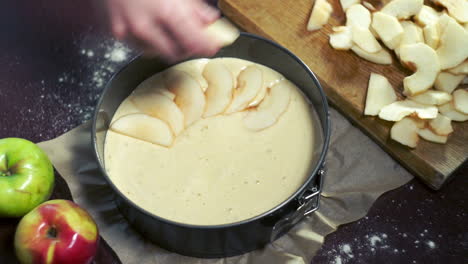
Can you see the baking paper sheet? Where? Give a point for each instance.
(358, 173)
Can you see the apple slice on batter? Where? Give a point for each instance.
(193, 68)
(144, 127)
(160, 106)
(271, 108)
(249, 83)
(189, 95)
(220, 88)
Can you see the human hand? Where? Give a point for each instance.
(172, 29)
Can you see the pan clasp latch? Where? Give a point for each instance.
(308, 203)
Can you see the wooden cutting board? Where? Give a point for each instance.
(344, 77)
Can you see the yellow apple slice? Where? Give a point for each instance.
(189, 95)
(423, 59)
(194, 68)
(398, 110)
(379, 94)
(358, 15)
(432, 97)
(432, 35)
(449, 111)
(342, 38)
(426, 16)
(270, 78)
(411, 34)
(441, 125)
(389, 29)
(462, 68)
(222, 32)
(345, 4)
(381, 57)
(126, 107)
(458, 9)
(447, 82)
(364, 39)
(271, 108)
(161, 107)
(453, 45)
(403, 9)
(428, 135)
(369, 6)
(220, 88)
(405, 132)
(320, 14)
(460, 101)
(249, 83)
(154, 84)
(421, 123)
(144, 127)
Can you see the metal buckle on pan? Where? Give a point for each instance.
(308, 203)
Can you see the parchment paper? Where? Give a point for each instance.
(358, 173)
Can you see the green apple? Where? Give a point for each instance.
(26, 177)
(57, 232)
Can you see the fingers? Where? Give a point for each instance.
(206, 13)
(188, 30)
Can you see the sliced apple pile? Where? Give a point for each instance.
(144, 127)
(271, 108)
(220, 88)
(431, 43)
(320, 14)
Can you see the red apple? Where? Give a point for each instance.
(57, 231)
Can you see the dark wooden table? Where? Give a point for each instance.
(53, 65)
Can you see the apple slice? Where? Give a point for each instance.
(432, 35)
(220, 88)
(144, 127)
(189, 95)
(441, 125)
(403, 9)
(320, 14)
(369, 6)
(426, 16)
(460, 101)
(432, 97)
(389, 29)
(271, 108)
(363, 38)
(443, 21)
(453, 42)
(379, 94)
(411, 34)
(154, 84)
(270, 78)
(449, 111)
(126, 107)
(405, 132)
(194, 68)
(398, 110)
(249, 83)
(428, 135)
(381, 57)
(342, 38)
(358, 15)
(160, 106)
(345, 4)
(458, 9)
(222, 32)
(420, 123)
(424, 60)
(447, 82)
(462, 68)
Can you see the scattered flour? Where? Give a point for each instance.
(346, 248)
(338, 260)
(431, 244)
(374, 239)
